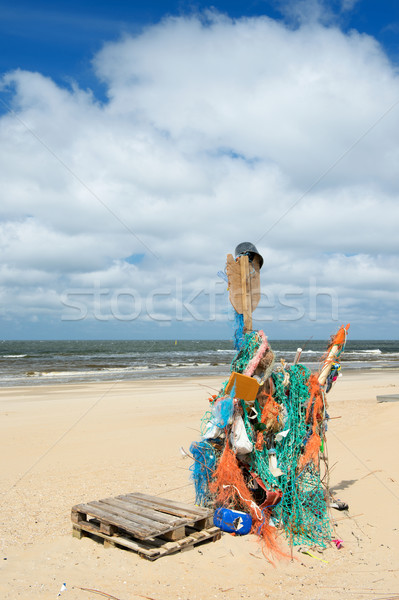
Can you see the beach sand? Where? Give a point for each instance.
(62, 445)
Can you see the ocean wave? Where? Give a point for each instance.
(91, 373)
(119, 369)
(355, 352)
(40, 363)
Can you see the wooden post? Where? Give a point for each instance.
(244, 286)
(328, 364)
(76, 532)
(246, 293)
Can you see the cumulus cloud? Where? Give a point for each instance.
(215, 131)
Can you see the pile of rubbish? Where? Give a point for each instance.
(261, 462)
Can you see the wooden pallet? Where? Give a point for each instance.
(151, 526)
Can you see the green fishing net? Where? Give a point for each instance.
(302, 511)
(249, 348)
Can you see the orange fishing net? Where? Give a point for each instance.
(270, 417)
(230, 489)
(270, 412)
(338, 340)
(340, 336)
(315, 403)
(229, 485)
(314, 413)
(311, 452)
(260, 441)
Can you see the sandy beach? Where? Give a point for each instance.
(62, 445)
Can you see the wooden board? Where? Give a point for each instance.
(144, 523)
(171, 506)
(151, 549)
(244, 285)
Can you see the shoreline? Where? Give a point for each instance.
(347, 371)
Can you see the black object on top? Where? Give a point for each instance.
(250, 250)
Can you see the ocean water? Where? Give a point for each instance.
(49, 362)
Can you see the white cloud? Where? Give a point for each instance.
(348, 5)
(213, 130)
(314, 11)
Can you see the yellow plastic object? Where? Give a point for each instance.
(246, 388)
(313, 556)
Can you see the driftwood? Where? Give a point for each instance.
(244, 286)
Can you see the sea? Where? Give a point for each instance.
(53, 362)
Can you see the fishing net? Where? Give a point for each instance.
(302, 511)
(230, 489)
(202, 470)
(238, 337)
(278, 482)
(251, 344)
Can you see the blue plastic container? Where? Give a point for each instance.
(232, 521)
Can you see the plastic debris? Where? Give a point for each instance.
(339, 505)
(232, 521)
(275, 472)
(263, 439)
(309, 553)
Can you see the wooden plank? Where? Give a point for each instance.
(107, 528)
(76, 532)
(236, 283)
(165, 508)
(176, 534)
(185, 509)
(144, 549)
(95, 510)
(143, 514)
(77, 516)
(254, 282)
(157, 528)
(138, 524)
(121, 541)
(246, 293)
(204, 523)
(172, 503)
(130, 505)
(202, 534)
(170, 511)
(191, 540)
(233, 272)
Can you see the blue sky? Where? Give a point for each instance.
(141, 142)
(60, 38)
